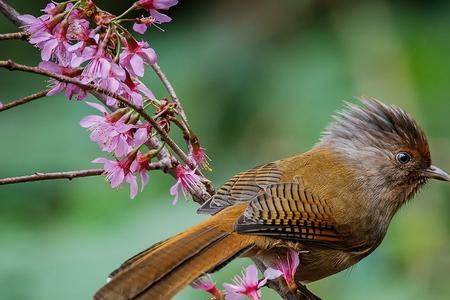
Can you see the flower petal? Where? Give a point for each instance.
(131, 179)
(137, 64)
(97, 106)
(140, 28)
(144, 179)
(159, 17)
(100, 160)
(117, 177)
(48, 48)
(271, 274)
(251, 275)
(174, 191)
(149, 55)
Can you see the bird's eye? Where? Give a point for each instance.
(403, 157)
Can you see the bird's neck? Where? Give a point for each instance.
(366, 199)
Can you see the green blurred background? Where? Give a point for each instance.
(259, 81)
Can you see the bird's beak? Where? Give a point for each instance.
(436, 173)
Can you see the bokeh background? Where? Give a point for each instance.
(259, 80)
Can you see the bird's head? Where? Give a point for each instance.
(385, 147)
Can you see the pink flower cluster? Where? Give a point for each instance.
(152, 6)
(78, 40)
(248, 284)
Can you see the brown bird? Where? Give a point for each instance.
(333, 204)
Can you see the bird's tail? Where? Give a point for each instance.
(164, 269)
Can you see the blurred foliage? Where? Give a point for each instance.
(259, 81)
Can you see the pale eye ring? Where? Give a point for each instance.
(403, 157)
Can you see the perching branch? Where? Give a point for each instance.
(55, 175)
(24, 100)
(12, 66)
(14, 36)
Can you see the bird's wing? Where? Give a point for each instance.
(289, 211)
(242, 187)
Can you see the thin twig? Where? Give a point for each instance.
(55, 175)
(170, 90)
(10, 65)
(184, 130)
(23, 100)
(9, 12)
(14, 36)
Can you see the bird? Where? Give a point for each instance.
(332, 204)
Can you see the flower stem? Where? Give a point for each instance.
(125, 12)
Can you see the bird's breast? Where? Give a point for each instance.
(320, 263)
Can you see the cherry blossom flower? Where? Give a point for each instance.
(81, 54)
(134, 56)
(113, 81)
(141, 25)
(152, 7)
(142, 134)
(248, 284)
(57, 86)
(198, 155)
(78, 30)
(288, 266)
(52, 10)
(140, 165)
(187, 180)
(118, 172)
(110, 133)
(36, 27)
(133, 90)
(55, 44)
(206, 284)
(98, 67)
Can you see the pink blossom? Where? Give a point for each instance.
(187, 180)
(287, 266)
(248, 284)
(78, 30)
(55, 44)
(40, 27)
(52, 10)
(113, 81)
(142, 134)
(118, 172)
(98, 67)
(206, 284)
(81, 54)
(152, 7)
(133, 90)
(135, 55)
(57, 86)
(198, 155)
(141, 25)
(110, 131)
(140, 165)
(1, 104)
(36, 27)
